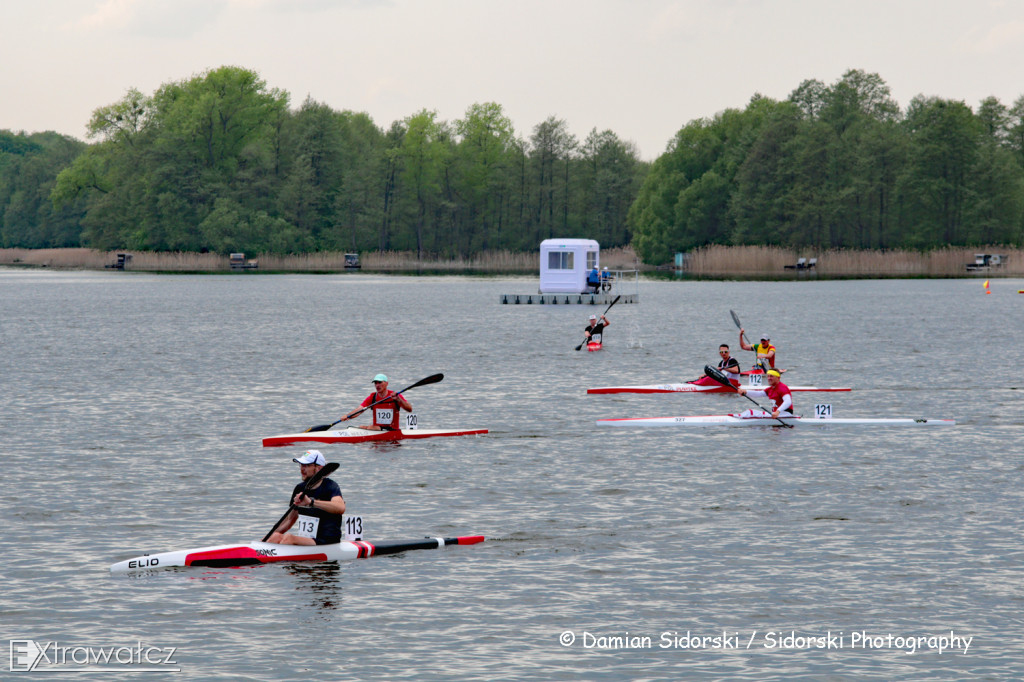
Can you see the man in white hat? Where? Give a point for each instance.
(317, 513)
(595, 329)
(765, 352)
(385, 412)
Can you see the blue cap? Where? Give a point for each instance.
(380, 377)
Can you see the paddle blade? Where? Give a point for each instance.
(717, 376)
(432, 379)
(736, 319)
(321, 427)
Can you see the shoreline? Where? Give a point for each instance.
(708, 263)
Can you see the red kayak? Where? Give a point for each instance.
(354, 434)
(594, 345)
(697, 388)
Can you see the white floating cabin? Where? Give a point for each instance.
(564, 264)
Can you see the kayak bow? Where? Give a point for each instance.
(252, 553)
(353, 434)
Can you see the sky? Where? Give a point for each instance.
(640, 68)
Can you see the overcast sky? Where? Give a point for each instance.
(641, 68)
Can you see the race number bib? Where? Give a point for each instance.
(353, 528)
(411, 422)
(823, 411)
(756, 379)
(595, 338)
(306, 526)
(385, 415)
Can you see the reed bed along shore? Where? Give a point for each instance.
(770, 261)
(376, 261)
(711, 262)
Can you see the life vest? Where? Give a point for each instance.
(760, 348)
(385, 413)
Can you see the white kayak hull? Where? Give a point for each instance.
(800, 422)
(252, 553)
(354, 434)
(694, 388)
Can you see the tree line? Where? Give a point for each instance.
(220, 162)
(838, 166)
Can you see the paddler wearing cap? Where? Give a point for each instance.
(385, 412)
(777, 392)
(317, 512)
(765, 351)
(595, 329)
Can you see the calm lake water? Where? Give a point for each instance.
(132, 408)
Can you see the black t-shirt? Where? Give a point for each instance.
(732, 364)
(329, 530)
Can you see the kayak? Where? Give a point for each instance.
(694, 388)
(353, 434)
(252, 553)
(594, 345)
(733, 420)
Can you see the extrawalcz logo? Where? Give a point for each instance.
(27, 655)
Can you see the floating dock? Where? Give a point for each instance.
(603, 298)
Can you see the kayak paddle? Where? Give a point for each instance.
(724, 380)
(432, 379)
(602, 315)
(739, 326)
(325, 471)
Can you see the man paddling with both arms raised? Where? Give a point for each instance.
(317, 513)
(777, 392)
(385, 412)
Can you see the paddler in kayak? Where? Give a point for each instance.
(765, 352)
(727, 365)
(318, 512)
(385, 412)
(777, 392)
(595, 330)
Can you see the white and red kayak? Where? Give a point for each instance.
(353, 434)
(734, 420)
(594, 345)
(249, 554)
(694, 388)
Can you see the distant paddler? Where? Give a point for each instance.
(386, 405)
(765, 352)
(777, 392)
(594, 331)
(727, 365)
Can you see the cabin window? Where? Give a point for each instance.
(560, 260)
(591, 260)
